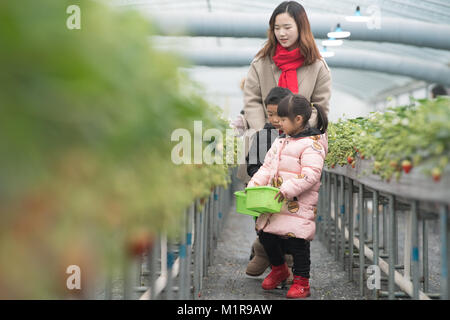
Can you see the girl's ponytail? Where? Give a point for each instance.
(322, 119)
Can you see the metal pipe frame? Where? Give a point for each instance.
(176, 267)
(361, 233)
(336, 217)
(342, 219)
(350, 225)
(329, 221)
(342, 194)
(420, 69)
(239, 25)
(375, 234)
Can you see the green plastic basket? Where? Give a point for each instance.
(261, 199)
(241, 197)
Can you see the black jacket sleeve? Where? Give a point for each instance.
(253, 157)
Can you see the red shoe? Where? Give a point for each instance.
(276, 276)
(299, 289)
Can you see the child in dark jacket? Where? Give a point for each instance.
(262, 141)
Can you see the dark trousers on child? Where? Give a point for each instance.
(275, 247)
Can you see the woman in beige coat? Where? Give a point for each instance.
(289, 27)
(290, 59)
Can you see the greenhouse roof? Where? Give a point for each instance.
(365, 85)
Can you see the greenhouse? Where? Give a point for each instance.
(225, 150)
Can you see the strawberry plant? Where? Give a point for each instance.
(86, 118)
(401, 138)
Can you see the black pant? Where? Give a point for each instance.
(276, 246)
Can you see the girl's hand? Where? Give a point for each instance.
(254, 184)
(280, 196)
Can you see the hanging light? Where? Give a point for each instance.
(357, 17)
(326, 54)
(338, 33)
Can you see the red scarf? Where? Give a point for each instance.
(288, 62)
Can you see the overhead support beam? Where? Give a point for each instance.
(425, 70)
(419, 69)
(393, 30)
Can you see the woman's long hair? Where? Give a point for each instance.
(306, 41)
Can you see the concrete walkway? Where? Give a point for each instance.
(226, 277)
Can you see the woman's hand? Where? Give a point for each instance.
(280, 196)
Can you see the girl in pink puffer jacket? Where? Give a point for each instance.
(294, 165)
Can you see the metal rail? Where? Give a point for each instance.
(347, 235)
(174, 269)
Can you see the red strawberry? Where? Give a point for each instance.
(407, 166)
(333, 165)
(139, 243)
(393, 164)
(362, 157)
(353, 164)
(436, 173)
(350, 159)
